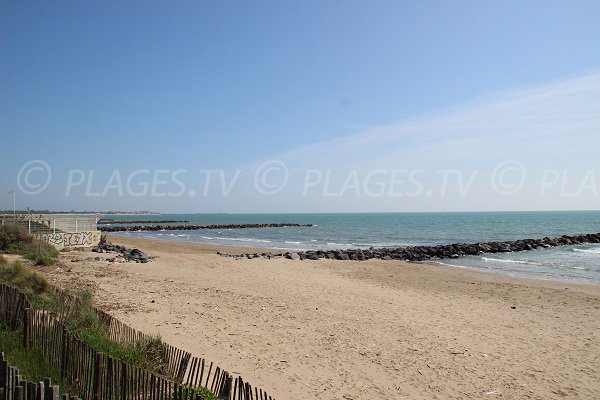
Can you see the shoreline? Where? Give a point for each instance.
(238, 251)
(355, 329)
(212, 249)
(192, 247)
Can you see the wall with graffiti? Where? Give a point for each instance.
(72, 239)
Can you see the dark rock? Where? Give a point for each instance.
(135, 255)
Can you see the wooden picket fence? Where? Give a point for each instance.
(97, 376)
(12, 304)
(14, 387)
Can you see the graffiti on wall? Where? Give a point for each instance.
(72, 239)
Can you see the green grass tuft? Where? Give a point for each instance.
(43, 254)
(190, 393)
(15, 240)
(32, 284)
(16, 274)
(153, 351)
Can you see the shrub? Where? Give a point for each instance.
(15, 240)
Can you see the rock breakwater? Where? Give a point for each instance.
(130, 221)
(132, 228)
(425, 253)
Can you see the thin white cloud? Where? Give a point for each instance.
(552, 126)
(559, 116)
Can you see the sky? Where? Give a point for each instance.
(331, 106)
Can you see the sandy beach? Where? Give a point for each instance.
(356, 330)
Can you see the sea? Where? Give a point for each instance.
(580, 263)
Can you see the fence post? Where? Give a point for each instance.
(123, 380)
(98, 366)
(226, 390)
(18, 393)
(26, 328)
(76, 225)
(54, 225)
(3, 371)
(41, 391)
(54, 393)
(29, 224)
(64, 353)
(47, 389)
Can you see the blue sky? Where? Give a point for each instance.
(91, 88)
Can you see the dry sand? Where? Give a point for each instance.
(357, 330)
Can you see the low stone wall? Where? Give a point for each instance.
(60, 240)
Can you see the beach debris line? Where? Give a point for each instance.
(424, 253)
(135, 255)
(129, 228)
